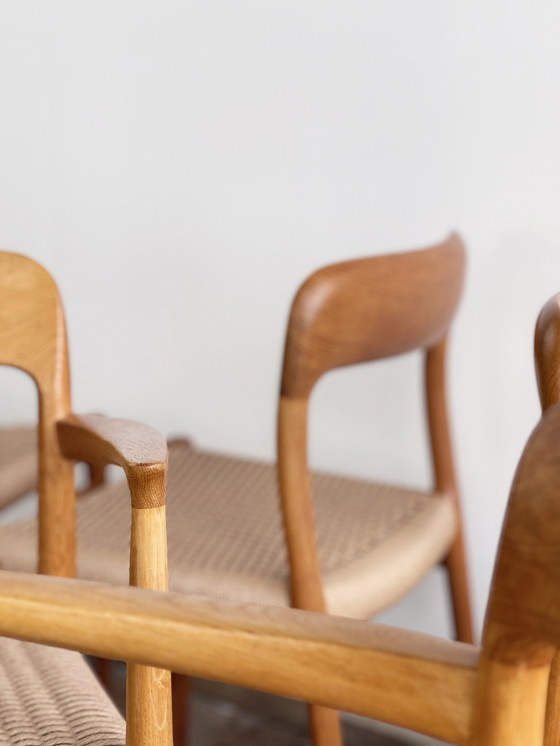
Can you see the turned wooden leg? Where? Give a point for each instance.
(180, 692)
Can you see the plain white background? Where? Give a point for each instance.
(181, 166)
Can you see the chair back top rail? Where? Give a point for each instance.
(371, 308)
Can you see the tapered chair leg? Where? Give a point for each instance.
(180, 688)
(459, 589)
(325, 726)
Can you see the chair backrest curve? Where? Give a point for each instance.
(371, 308)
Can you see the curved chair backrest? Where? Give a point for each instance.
(33, 338)
(372, 308)
(354, 312)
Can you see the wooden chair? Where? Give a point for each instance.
(452, 691)
(353, 547)
(48, 695)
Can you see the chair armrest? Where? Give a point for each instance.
(394, 675)
(140, 450)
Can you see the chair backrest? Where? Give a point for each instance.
(33, 338)
(371, 308)
(354, 312)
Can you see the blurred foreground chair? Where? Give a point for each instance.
(353, 546)
(547, 364)
(50, 696)
(493, 696)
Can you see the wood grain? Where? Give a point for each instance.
(140, 450)
(394, 675)
(371, 308)
(148, 691)
(440, 688)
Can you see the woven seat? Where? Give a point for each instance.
(226, 537)
(50, 697)
(18, 462)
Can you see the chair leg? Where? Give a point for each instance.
(552, 723)
(325, 726)
(103, 670)
(180, 693)
(459, 588)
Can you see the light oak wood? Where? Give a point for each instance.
(148, 691)
(33, 338)
(359, 667)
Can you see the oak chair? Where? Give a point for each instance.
(453, 691)
(353, 546)
(49, 695)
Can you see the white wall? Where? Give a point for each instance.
(180, 167)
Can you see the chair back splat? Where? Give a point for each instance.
(33, 338)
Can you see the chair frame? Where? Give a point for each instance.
(448, 690)
(355, 312)
(33, 339)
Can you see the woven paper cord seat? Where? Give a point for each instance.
(226, 538)
(18, 462)
(50, 697)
